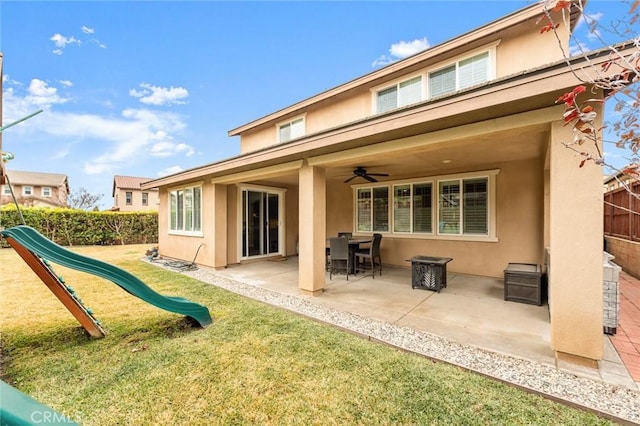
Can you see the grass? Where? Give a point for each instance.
(255, 364)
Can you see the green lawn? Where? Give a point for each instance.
(254, 365)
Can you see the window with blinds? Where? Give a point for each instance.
(372, 209)
(404, 93)
(185, 209)
(291, 130)
(474, 70)
(474, 208)
(458, 206)
(442, 81)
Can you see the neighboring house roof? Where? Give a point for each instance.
(128, 182)
(38, 179)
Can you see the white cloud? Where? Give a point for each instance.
(65, 83)
(61, 42)
(401, 50)
(42, 95)
(154, 95)
(170, 170)
(101, 144)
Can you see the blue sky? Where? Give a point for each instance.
(150, 88)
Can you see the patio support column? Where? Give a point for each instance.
(312, 237)
(576, 246)
(219, 221)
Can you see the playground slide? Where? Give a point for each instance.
(17, 408)
(35, 242)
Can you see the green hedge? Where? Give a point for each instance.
(69, 227)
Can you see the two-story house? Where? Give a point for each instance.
(470, 138)
(35, 189)
(129, 197)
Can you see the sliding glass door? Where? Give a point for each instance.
(261, 217)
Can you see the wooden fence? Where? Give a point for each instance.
(622, 213)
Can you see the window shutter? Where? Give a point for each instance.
(442, 81)
(364, 210)
(387, 99)
(422, 215)
(285, 132)
(173, 210)
(475, 206)
(449, 207)
(410, 91)
(402, 208)
(197, 209)
(473, 71)
(297, 128)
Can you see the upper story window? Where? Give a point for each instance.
(465, 73)
(145, 198)
(291, 129)
(27, 190)
(6, 190)
(185, 213)
(403, 93)
(441, 79)
(46, 191)
(128, 198)
(455, 206)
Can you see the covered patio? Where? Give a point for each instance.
(471, 310)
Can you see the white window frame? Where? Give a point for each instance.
(435, 233)
(489, 48)
(6, 190)
(396, 84)
(46, 191)
(27, 190)
(145, 199)
(195, 231)
(281, 219)
(279, 126)
(128, 200)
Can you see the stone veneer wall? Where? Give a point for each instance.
(626, 254)
(611, 294)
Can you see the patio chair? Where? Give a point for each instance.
(371, 256)
(339, 256)
(345, 234)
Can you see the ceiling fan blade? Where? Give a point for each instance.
(369, 178)
(378, 174)
(350, 179)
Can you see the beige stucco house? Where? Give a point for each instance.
(35, 189)
(470, 136)
(129, 197)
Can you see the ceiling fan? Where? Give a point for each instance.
(362, 172)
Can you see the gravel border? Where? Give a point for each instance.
(616, 403)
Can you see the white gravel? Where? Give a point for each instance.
(618, 403)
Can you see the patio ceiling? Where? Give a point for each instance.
(465, 154)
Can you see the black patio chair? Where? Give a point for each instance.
(371, 256)
(339, 256)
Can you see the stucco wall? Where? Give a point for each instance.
(520, 228)
(627, 254)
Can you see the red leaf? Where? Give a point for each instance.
(582, 162)
(562, 4)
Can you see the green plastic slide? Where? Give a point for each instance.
(35, 242)
(17, 408)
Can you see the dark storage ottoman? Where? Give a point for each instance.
(523, 283)
(428, 272)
